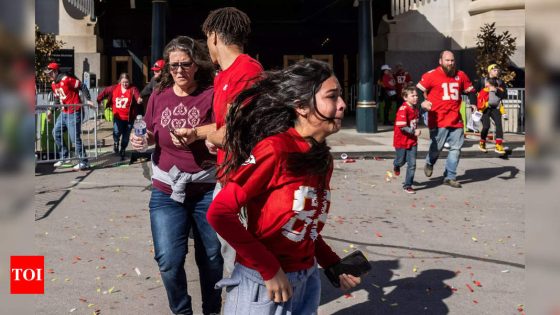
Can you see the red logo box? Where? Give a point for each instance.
(27, 274)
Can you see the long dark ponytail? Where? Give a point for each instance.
(269, 107)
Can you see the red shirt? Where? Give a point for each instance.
(403, 78)
(68, 91)
(407, 116)
(167, 110)
(286, 212)
(229, 83)
(388, 82)
(445, 95)
(121, 101)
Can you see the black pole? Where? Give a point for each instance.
(158, 29)
(366, 108)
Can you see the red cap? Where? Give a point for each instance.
(158, 65)
(52, 66)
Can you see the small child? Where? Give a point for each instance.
(491, 107)
(405, 136)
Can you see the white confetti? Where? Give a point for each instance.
(137, 271)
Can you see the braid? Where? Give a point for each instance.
(231, 24)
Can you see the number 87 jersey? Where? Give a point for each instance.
(444, 92)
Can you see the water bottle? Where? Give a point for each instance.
(140, 131)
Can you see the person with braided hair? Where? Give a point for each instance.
(226, 30)
(278, 165)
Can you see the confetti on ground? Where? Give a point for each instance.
(137, 271)
(72, 310)
(378, 234)
(415, 269)
(470, 288)
(50, 271)
(98, 290)
(474, 239)
(477, 283)
(475, 301)
(505, 271)
(53, 279)
(111, 290)
(90, 305)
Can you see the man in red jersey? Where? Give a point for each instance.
(66, 89)
(226, 30)
(442, 89)
(403, 79)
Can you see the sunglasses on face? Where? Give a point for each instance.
(184, 65)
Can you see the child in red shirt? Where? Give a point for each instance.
(278, 165)
(405, 137)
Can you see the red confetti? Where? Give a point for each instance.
(102, 258)
(349, 161)
(83, 300)
(432, 206)
(50, 271)
(378, 234)
(477, 283)
(77, 258)
(470, 288)
(475, 301)
(348, 295)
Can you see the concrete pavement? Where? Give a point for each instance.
(428, 250)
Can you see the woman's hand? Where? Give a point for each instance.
(182, 137)
(138, 143)
(279, 288)
(348, 281)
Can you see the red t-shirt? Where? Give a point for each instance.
(229, 83)
(286, 212)
(445, 95)
(121, 102)
(388, 82)
(68, 91)
(167, 110)
(407, 116)
(403, 78)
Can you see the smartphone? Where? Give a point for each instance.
(355, 264)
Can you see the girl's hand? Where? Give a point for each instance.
(348, 281)
(279, 288)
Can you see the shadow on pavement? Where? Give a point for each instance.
(471, 176)
(413, 295)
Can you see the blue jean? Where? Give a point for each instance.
(171, 223)
(121, 128)
(407, 156)
(72, 123)
(439, 136)
(247, 294)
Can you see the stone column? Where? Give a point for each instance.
(158, 29)
(366, 108)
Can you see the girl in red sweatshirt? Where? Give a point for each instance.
(279, 166)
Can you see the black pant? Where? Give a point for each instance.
(388, 100)
(494, 113)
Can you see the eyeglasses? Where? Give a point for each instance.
(184, 65)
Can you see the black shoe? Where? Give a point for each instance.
(122, 154)
(453, 183)
(116, 148)
(428, 170)
(397, 170)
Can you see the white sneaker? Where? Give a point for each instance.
(81, 166)
(61, 162)
(446, 145)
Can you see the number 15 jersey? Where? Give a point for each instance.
(444, 93)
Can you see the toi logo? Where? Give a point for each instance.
(27, 274)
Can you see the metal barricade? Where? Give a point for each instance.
(514, 105)
(69, 133)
